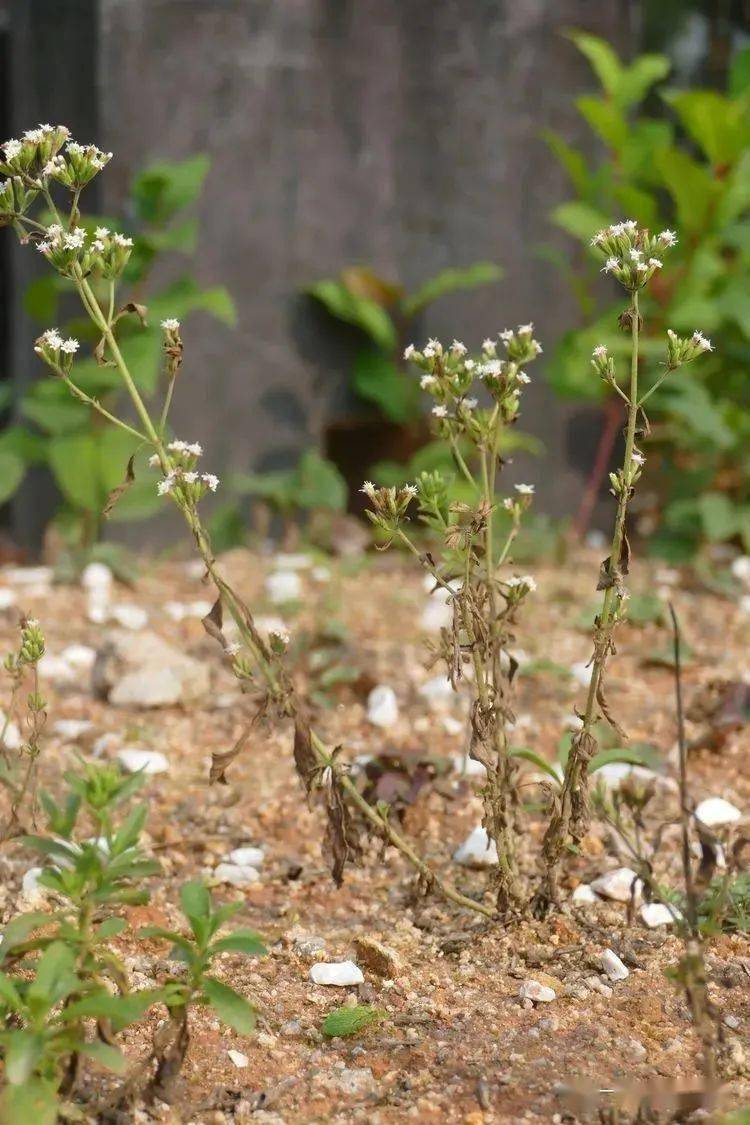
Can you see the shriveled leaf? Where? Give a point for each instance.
(117, 492)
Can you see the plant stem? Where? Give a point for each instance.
(570, 818)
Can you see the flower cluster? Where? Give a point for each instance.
(389, 505)
(683, 349)
(450, 375)
(32, 642)
(77, 165)
(29, 156)
(109, 253)
(15, 199)
(632, 254)
(517, 587)
(182, 479)
(55, 351)
(624, 480)
(69, 250)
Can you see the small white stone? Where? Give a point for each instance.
(539, 993)
(477, 850)
(12, 739)
(741, 569)
(468, 767)
(71, 729)
(238, 1059)
(584, 895)
(342, 974)
(129, 616)
(293, 562)
(613, 966)
(80, 657)
(658, 914)
(236, 874)
(96, 576)
(321, 573)
(133, 759)
(618, 884)
(32, 894)
(39, 576)
(382, 706)
(283, 586)
(581, 672)
(436, 615)
(7, 598)
(179, 611)
(715, 811)
(247, 856)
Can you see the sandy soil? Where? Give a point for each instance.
(456, 1044)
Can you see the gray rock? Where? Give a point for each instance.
(142, 670)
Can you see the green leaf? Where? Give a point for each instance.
(580, 220)
(229, 1006)
(121, 1011)
(607, 121)
(739, 73)
(19, 928)
(74, 459)
(12, 472)
(319, 484)
(362, 312)
(602, 57)
(378, 379)
(165, 188)
(109, 1056)
(454, 280)
(349, 1021)
(130, 830)
(195, 899)
(718, 516)
(631, 756)
(719, 125)
(55, 975)
(23, 1051)
(240, 941)
(55, 417)
(536, 760)
(573, 161)
(626, 85)
(35, 1100)
(690, 184)
(41, 297)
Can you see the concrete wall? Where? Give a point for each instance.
(398, 133)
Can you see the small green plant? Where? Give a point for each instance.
(473, 568)
(630, 256)
(345, 1021)
(196, 985)
(60, 971)
(19, 765)
(685, 164)
(66, 433)
(385, 313)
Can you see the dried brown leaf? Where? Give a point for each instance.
(117, 492)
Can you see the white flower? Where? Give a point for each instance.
(171, 324)
(44, 247)
(440, 411)
(211, 481)
(525, 329)
(655, 263)
(471, 403)
(74, 240)
(636, 254)
(638, 458)
(97, 246)
(668, 237)
(190, 478)
(409, 351)
(12, 148)
(192, 448)
(154, 460)
(492, 367)
(469, 365)
(672, 335)
(368, 488)
(52, 338)
(488, 345)
(410, 489)
(427, 381)
(54, 232)
(611, 265)
(600, 351)
(281, 635)
(233, 649)
(101, 232)
(433, 348)
(166, 485)
(524, 489)
(523, 580)
(506, 335)
(70, 346)
(701, 342)
(121, 240)
(458, 349)
(522, 377)
(509, 503)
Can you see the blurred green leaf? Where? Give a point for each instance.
(167, 187)
(233, 1009)
(378, 379)
(454, 280)
(362, 312)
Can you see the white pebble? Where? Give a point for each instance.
(293, 562)
(436, 615)
(32, 894)
(342, 974)
(38, 576)
(12, 739)
(618, 884)
(657, 914)
(238, 1059)
(715, 811)
(179, 611)
(150, 761)
(71, 729)
(247, 856)
(584, 895)
(382, 706)
(7, 598)
(96, 576)
(438, 691)
(283, 586)
(79, 657)
(539, 993)
(236, 874)
(477, 850)
(129, 616)
(581, 672)
(741, 569)
(613, 966)
(468, 767)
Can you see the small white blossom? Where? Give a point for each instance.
(170, 324)
(410, 489)
(427, 381)
(600, 351)
(409, 351)
(701, 342)
(440, 411)
(668, 237)
(506, 335)
(121, 240)
(638, 458)
(488, 345)
(74, 240)
(458, 349)
(233, 649)
(12, 148)
(369, 489)
(190, 478)
(471, 403)
(154, 460)
(509, 503)
(101, 232)
(211, 481)
(522, 580)
(166, 485)
(525, 329)
(524, 489)
(611, 265)
(70, 346)
(522, 377)
(655, 263)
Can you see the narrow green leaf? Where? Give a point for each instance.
(229, 1006)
